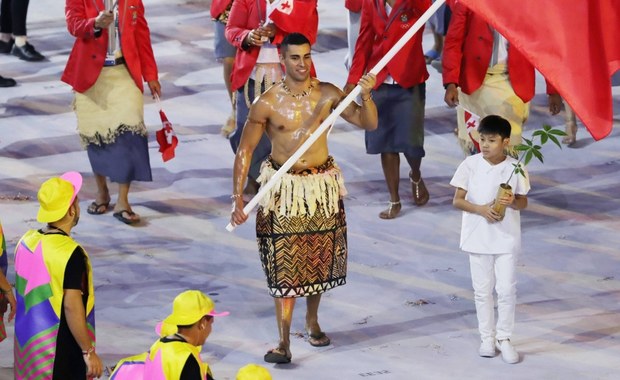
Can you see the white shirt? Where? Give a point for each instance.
(481, 180)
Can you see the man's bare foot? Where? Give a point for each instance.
(392, 211)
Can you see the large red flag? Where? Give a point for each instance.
(575, 44)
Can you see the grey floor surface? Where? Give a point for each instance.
(406, 311)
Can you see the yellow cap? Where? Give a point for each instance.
(56, 195)
(253, 372)
(189, 306)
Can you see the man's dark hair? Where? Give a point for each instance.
(494, 125)
(293, 39)
(185, 327)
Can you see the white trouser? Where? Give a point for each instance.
(488, 271)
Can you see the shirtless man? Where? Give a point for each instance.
(300, 223)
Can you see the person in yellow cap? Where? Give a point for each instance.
(253, 372)
(55, 320)
(176, 356)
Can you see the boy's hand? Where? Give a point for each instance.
(487, 212)
(507, 199)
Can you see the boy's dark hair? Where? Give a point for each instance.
(494, 125)
(293, 39)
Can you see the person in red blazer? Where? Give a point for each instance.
(466, 65)
(224, 53)
(218, 7)
(400, 92)
(250, 32)
(246, 17)
(354, 8)
(108, 95)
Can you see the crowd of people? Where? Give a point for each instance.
(277, 102)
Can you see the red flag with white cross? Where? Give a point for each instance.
(472, 121)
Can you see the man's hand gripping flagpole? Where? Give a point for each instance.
(264, 189)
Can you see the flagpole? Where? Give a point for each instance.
(264, 189)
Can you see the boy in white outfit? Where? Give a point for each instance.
(492, 242)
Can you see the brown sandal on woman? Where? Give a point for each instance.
(419, 191)
(391, 212)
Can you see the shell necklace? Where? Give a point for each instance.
(305, 92)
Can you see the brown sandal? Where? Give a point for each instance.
(318, 340)
(419, 191)
(392, 211)
(278, 356)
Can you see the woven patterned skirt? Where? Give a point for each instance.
(306, 253)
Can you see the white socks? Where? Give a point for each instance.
(20, 40)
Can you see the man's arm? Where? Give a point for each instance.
(364, 116)
(238, 26)
(76, 320)
(363, 46)
(75, 313)
(452, 54)
(253, 130)
(148, 65)
(7, 291)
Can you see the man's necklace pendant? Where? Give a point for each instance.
(305, 92)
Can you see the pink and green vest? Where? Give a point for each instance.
(40, 262)
(151, 365)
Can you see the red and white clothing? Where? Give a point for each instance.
(89, 51)
(467, 52)
(353, 5)
(290, 16)
(109, 100)
(218, 7)
(490, 81)
(379, 31)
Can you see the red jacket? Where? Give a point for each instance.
(245, 16)
(467, 52)
(379, 32)
(353, 5)
(218, 7)
(86, 59)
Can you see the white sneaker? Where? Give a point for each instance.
(487, 348)
(509, 354)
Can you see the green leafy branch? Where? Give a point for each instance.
(530, 150)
